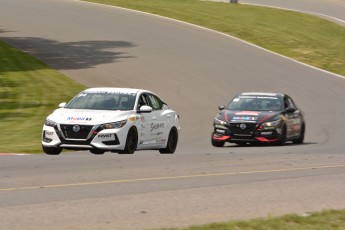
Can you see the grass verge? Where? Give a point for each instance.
(303, 37)
(326, 220)
(29, 91)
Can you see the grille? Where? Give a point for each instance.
(73, 142)
(82, 133)
(235, 129)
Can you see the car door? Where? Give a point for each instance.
(294, 117)
(158, 126)
(145, 122)
(297, 118)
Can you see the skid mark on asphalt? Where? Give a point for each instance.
(174, 177)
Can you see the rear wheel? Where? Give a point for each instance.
(172, 142)
(131, 142)
(52, 150)
(300, 140)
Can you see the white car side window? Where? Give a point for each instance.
(156, 103)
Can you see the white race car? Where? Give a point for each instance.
(119, 120)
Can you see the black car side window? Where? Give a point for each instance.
(291, 103)
(286, 103)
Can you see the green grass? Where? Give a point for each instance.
(326, 220)
(306, 38)
(29, 91)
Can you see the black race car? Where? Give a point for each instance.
(259, 118)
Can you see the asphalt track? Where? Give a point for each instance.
(194, 70)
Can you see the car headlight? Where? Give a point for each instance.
(272, 123)
(50, 123)
(114, 125)
(219, 122)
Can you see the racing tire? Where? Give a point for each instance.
(172, 142)
(282, 137)
(96, 151)
(131, 142)
(217, 143)
(300, 140)
(52, 150)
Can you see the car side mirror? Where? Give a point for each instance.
(62, 105)
(221, 107)
(290, 110)
(145, 109)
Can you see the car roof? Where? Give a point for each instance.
(268, 94)
(114, 90)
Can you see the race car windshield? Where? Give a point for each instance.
(255, 103)
(102, 101)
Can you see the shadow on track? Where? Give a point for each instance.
(71, 55)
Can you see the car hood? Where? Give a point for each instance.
(89, 117)
(248, 116)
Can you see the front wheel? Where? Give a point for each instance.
(131, 142)
(283, 136)
(172, 142)
(217, 143)
(300, 140)
(52, 150)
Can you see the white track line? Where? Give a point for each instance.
(224, 34)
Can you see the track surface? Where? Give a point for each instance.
(194, 70)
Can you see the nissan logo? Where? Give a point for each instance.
(243, 126)
(76, 128)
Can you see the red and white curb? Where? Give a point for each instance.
(14, 154)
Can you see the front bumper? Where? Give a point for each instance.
(245, 132)
(88, 137)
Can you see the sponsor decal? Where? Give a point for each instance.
(160, 141)
(49, 133)
(132, 119)
(115, 93)
(105, 135)
(296, 121)
(244, 118)
(266, 133)
(252, 113)
(79, 118)
(156, 134)
(156, 126)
